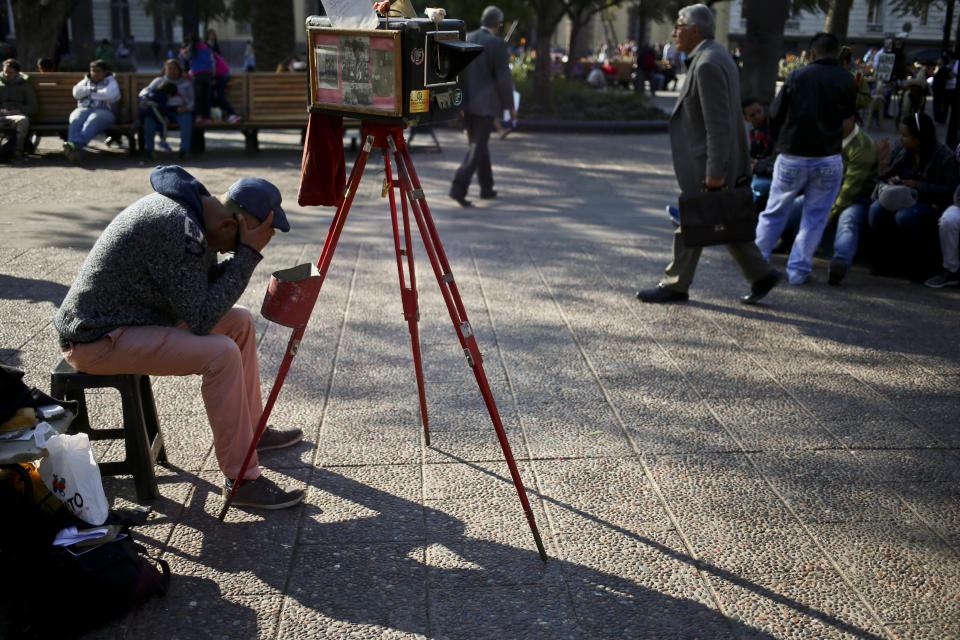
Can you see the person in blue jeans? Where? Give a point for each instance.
(849, 211)
(178, 108)
(905, 239)
(808, 113)
(97, 96)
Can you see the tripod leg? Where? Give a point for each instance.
(326, 256)
(336, 226)
(408, 294)
(458, 315)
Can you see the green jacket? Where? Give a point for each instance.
(18, 95)
(860, 168)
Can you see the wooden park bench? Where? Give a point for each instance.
(273, 101)
(55, 101)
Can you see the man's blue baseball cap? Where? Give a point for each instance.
(258, 197)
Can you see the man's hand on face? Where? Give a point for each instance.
(258, 237)
(714, 182)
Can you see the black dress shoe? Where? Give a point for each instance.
(662, 294)
(462, 201)
(488, 195)
(762, 287)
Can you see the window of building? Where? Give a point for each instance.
(874, 11)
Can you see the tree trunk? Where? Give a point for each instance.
(548, 16)
(38, 27)
(576, 26)
(273, 33)
(189, 17)
(81, 23)
(947, 23)
(763, 46)
(838, 18)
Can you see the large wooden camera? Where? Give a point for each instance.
(405, 71)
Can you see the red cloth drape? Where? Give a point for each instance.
(323, 174)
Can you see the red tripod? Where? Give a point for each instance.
(390, 139)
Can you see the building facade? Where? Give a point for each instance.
(870, 22)
(151, 37)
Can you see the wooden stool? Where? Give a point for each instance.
(140, 431)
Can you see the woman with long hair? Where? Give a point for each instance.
(905, 233)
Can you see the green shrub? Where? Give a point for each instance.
(575, 100)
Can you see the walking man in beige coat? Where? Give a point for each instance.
(709, 147)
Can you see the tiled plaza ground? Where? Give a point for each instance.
(699, 471)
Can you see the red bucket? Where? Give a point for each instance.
(291, 295)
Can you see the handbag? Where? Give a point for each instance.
(894, 197)
(71, 473)
(723, 216)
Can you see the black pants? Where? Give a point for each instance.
(477, 159)
(941, 105)
(202, 89)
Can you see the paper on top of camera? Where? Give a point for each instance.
(351, 14)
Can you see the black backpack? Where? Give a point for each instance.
(8, 145)
(57, 593)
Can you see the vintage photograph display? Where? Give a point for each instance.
(356, 71)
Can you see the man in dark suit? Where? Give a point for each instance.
(489, 92)
(709, 147)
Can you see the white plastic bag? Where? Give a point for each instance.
(71, 473)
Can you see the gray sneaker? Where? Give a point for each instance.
(944, 279)
(263, 493)
(273, 439)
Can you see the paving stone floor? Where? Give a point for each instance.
(705, 470)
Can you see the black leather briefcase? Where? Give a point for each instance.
(718, 217)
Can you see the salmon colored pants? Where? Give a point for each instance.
(226, 359)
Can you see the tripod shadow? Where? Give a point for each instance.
(358, 553)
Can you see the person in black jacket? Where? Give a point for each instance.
(489, 92)
(907, 235)
(808, 116)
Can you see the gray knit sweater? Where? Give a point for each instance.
(152, 266)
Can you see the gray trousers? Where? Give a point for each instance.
(679, 273)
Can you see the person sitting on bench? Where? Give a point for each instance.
(175, 106)
(17, 102)
(98, 96)
(152, 298)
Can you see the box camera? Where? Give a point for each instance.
(405, 71)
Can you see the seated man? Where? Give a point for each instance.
(762, 153)
(17, 102)
(98, 96)
(151, 298)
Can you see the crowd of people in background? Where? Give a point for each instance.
(898, 205)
